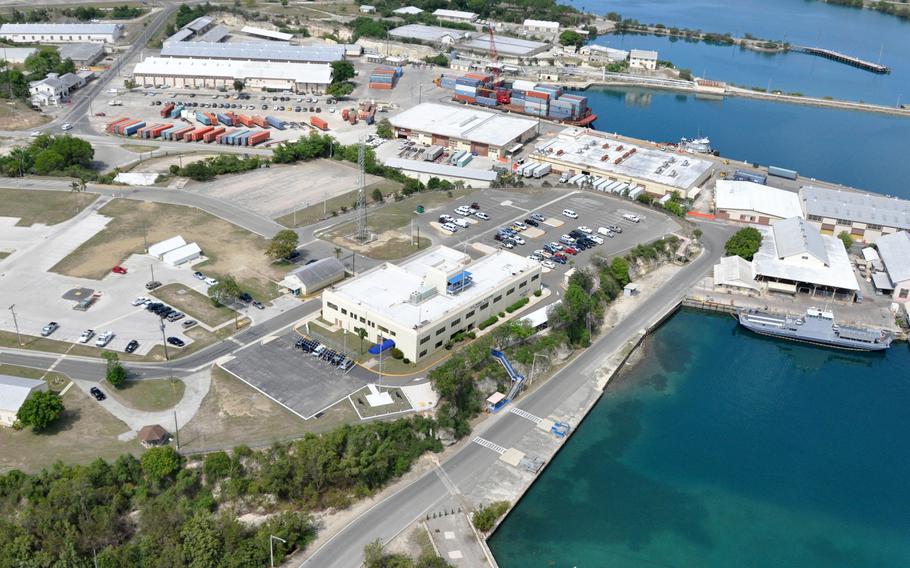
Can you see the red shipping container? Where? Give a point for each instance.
(210, 136)
(111, 126)
(177, 136)
(465, 99)
(226, 132)
(345, 114)
(197, 134)
(121, 128)
(156, 131)
(319, 123)
(258, 138)
(537, 95)
(259, 121)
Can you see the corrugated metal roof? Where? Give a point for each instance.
(464, 123)
(838, 273)
(59, 28)
(455, 14)
(895, 252)
(441, 169)
(411, 10)
(181, 35)
(271, 34)
(256, 51)
(14, 391)
(215, 34)
(643, 54)
(855, 206)
(80, 51)
(764, 200)
(427, 33)
(507, 45)
(795, 236)
(541, 24)
(314, 73)
(199, 23)
(322, 272)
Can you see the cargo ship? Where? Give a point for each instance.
(817, 327)
(521, 97)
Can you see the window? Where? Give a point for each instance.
(392, 332)
(332, 306)
(382, 329)
(510, 292)
(904, 293)
(363, 319)
(485, 305)
(344, 312)
(455, 322)
(438, 344)
(422, 353)
(815, 218)
(535, 277)
(496, 299)
(440, 330)
(424, 340)
(523, 284)
(470, 327)
(844, 222)
(469, 315)
(874, 227)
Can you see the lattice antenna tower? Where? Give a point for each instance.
(362, 230)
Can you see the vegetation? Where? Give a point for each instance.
(50, 155)
(186, 14)
(39, 411)
(484, 518)
(744, 243)
(571, 37)
(619, 270)
(115, 373)
(208, 169)
(342, 71)
(439, 59)
(384, 129)
(283, 244)
(846, 238)
(518, 305)
(488, 322)
(226, 291)
(374, 557)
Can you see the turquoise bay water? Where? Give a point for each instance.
(724, 449)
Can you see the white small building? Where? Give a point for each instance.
(60, 33)
(602, 54)
(643, 59)
(365, 9)
(455, 15)
(314, 277)
(894, 250)
(158, 250)
(408, 11)
(182, 255)
(14, 391)
(54, 89)
(751, 202)
(541, 26)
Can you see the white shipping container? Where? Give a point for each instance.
(541, 170)
(636, 191)
(528, 170)
(523, 85)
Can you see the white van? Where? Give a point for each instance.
(570, 214)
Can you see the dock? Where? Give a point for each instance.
(842, 58)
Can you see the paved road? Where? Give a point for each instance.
(394, 514)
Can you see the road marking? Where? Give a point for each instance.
(525, 414)
(489, 445)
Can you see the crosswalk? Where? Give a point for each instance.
(525, 414)
(489, 445)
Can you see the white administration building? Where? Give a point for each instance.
(215, 73)
(481, 132)
(14, 391)
(60, 33)
(424, 302)
(751, 202)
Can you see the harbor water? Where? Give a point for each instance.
(773, 454)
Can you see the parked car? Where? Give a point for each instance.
(446, 218)
(475, 206)
(570, 250)
(152, 285)
(198, 275)
(461, 223)
(464, 210)
(132, 346)
(49, 328)
(245, 297)
(211, 281)
(518, 240)
(482, 215)
(176, 341)
(538, 217)
(596, 239)
(548, 264)
(450, 227)
(615, 228)
(507, 243)
(97, 394)
(531, 222)
(140, 301)
(118, 270)
(104, 339)
(585, 229)
(86, 336)
(258, 305)
(188, 324)
(66, 127)
(631, 217)
(567, 240)
(570, 213)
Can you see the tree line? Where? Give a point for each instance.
(14, 81)
(50, 155)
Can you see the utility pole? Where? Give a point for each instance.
(176, 432)
(152, 270)
(16, 323)
(272, 539)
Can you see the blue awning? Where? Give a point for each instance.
(380, 347)
(463, 275)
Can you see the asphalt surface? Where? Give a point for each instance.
(392, 515)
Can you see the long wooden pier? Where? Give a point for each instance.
(842, 58)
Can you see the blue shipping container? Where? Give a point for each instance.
(130, 130)
(277, 123)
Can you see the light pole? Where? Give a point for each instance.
(16, 324)
(272, 539)
(534, 364)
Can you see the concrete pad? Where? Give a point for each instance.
(377, 397)
(421, 397)
(545, 424)
(438, 226)
(532, 233)
(482, 247)
(512, 457)
(455, 555)
(554, 222)
(449, 535)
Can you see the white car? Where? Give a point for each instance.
(585, 229)
(66, 127)
(631, 217)
(548, 264)
(520, 225)
(140, 301)
(86, 336)
(605, 231)
(566, 239)
(597, 239)
(461, 223)
(210, 281)
(482, 215)
(104, 339)
(570, 214)
(446, 218)
(450, 227)
(507, 244)
(332, 110)
(518, 240)
(464, 211)
(536, 257)
(540, 252)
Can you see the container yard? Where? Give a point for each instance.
(385, 78)
(207, 131)
(522, 97)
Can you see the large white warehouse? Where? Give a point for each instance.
(60, 33)
(214, 73)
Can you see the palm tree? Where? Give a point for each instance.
(362, 333)
(337, 252)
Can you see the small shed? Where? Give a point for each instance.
(159, 249)
(182, 255)
(314, 277)
(630, 289)
(153, 435)
(496, 401)
(14, 391)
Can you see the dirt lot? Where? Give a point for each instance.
(149, 395)
(232, 413)
(83, 433)
(194, 304)
(229, 249)
(324, 209)
(47, 207)
(17, 115)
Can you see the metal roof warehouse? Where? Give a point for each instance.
(431, 34)
(256, 51)
(446, 125)
(184, 72)
(505, 45)
(61, 32)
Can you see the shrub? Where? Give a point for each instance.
(502, 314)
(487, 322)
(471, 335)
(518, 305)
(537, 293)
(485, 518)
(397, 353)
(406, 361)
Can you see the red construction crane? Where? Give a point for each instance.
(494, 56)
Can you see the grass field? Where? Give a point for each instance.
(323, 210)
(233, 413)
(201, 339)
(150, 395)
(230, 249)
(194, 304)
(18, 115)
(56, 381)
(139, 148)
(46, 207)
(83, 433)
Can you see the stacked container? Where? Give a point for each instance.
(536, 103)
(111, 127)
(156, 131)
(258, 137)
(385, 78)
(259, 121)
(133, 128)
(226, 119)
(166, 110)
(466, 89)
(209, 136)
(319, 123)
(175, 112)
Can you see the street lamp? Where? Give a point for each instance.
(272, 539)
(16, 323)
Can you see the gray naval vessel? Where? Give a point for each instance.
(817, 327)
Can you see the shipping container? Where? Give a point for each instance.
(525, 169)
(225, 120)
(537, 95)
(177, 135)
(319, 123)
(541, 170)
(133, 128)
(112, 126)
(141, 132)
(432, 153)
(742, 175)
(209, 136)
(166, 110)
(241, 140)
(175, 112)
(156, 132)
(227, 132)
(258, 138)
(345, 114)
(782, 172)
(197, 134)
(523, 85)
(636, 191)
(464, 159)
(276, 122)
(259, 121)
(456, 156)
(203, 118)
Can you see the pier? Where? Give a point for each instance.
(842, 58)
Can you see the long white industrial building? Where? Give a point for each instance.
(255, 51)
(214, 73)
(60, 33)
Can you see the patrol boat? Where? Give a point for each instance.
(817, 327)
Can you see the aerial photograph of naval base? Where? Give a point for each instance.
(454, 284)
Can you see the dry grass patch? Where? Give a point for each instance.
(230, 249)
(149, 395)
(18, 115)
(195, 304)
(38, 206)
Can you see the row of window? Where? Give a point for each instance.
(845, 222)
(384, 330)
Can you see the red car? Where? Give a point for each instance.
(118, 270)
(569, 250)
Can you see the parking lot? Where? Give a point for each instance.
(300, 381)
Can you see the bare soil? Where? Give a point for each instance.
(18, 115)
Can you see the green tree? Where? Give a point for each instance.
(845, 238)
(339, 90)
(160, 463)
(238, 85)
(48, 161)
(439, 60)
(619, 269)
(40, 410)
(202, 546)
(484, 518)
(226, 291)
(115, 374)
(384, 129)
(685, 74)
(283, 244)
(571, 37)
(217, 465)
(362, 334)
(744, 243)
(342, 71)
(377, 195)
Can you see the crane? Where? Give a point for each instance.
(494, 56)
